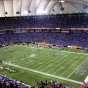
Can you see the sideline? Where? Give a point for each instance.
(46, 74)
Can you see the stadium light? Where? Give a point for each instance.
(57, 28)
(41, 12)
(61, 0)
(24, 12)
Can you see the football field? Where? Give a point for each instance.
(32, 63)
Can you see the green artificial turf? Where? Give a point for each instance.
(57, 62)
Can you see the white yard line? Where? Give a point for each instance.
(46, 74)
(73, 52)
(58, 65)
(70, 67)
(75, 69)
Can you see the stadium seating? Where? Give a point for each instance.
(49, 84)
(5, 82)
(64, 39)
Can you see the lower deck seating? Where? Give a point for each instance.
(5, 82)
(64, 39)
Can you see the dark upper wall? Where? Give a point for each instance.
(52, 21)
